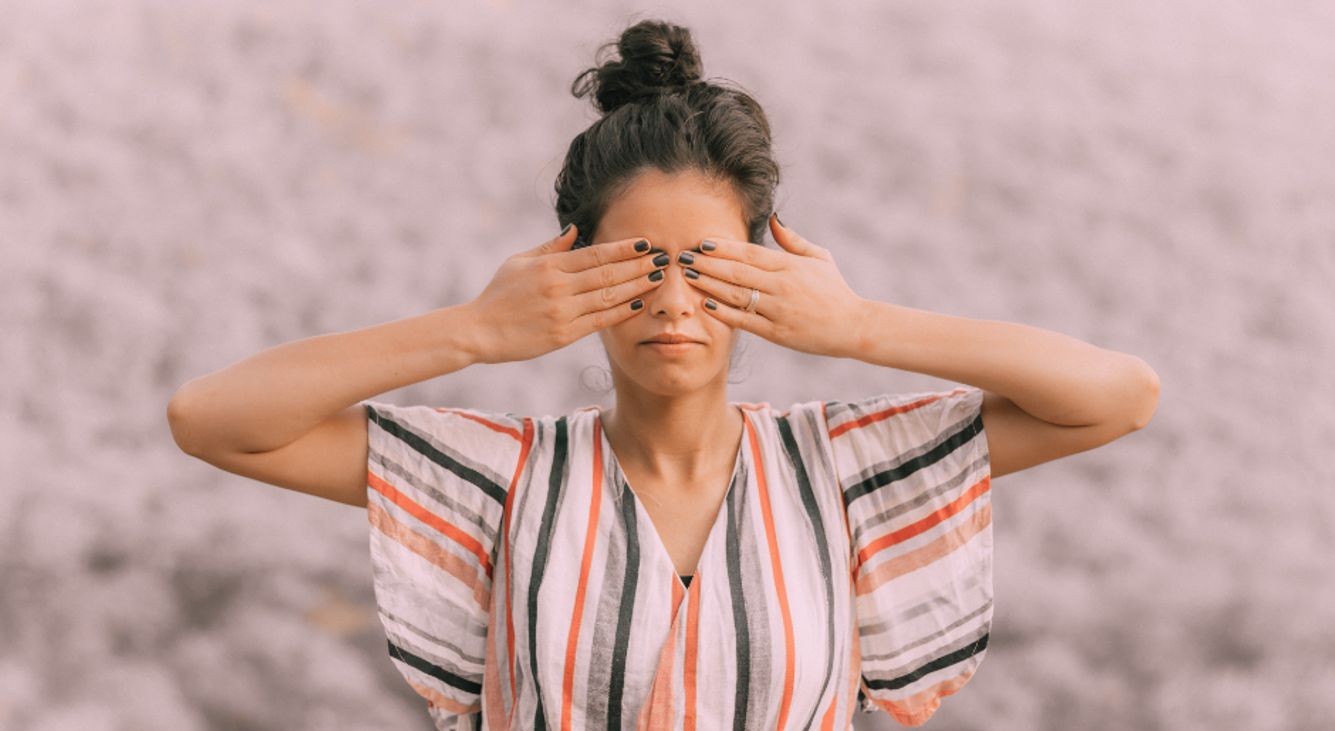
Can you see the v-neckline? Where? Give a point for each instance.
(641, 510)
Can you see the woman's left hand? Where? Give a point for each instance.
(805, 304)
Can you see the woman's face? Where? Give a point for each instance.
(674, 212)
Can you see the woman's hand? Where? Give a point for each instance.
(545, 298)
(805, 304)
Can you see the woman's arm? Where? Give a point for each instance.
(1048, 394)
(289, 415)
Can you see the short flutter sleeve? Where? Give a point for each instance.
(915, 475)
(437, 480)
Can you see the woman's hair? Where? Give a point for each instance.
(659, 112)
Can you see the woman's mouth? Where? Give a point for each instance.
(670, 348)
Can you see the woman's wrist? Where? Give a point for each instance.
(456, 339)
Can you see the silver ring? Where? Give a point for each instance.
(755, 298)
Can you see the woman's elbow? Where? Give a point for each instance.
(179, 421)
(1146, 400)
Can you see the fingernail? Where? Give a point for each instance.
(691, 273)
(708, 246)
(780, 220)
(641, 246)
(636, 304)
(711, 304)
(656, 275)
(662, 260)
(566, 230)
(685, 257)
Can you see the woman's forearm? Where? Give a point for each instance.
(275, 396)
(1051, 376)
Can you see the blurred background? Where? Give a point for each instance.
(186, 183)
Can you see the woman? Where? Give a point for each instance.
(679, 559)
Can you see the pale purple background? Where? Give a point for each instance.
(183, 184)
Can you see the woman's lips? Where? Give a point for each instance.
(670, 348)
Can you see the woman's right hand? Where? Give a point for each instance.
(545, 298)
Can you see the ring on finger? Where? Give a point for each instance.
(755, 300)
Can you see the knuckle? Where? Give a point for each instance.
(549, 289)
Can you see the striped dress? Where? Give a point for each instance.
(522, 584)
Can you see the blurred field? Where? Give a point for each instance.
(183, 184)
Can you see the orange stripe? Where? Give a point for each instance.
(492, 697)
(917, 708)
(692, 648)
(758, 460)
(505, 537)
(925, 523)
(827, 720)
(486, 422)
(656, 713)
(428, 549)
(577, 617)
(918, 558)
(414, 509)
(854, 672)
(887, 413)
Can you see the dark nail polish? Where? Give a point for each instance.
(780, 220)
(662, 260)
(708, 246)
(710, 304)
(636, 304)
(656, 275)
(685, 257)
(691, 273)
(641, 246)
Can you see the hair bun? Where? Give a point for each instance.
(656, 57)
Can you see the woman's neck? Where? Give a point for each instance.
(674, 441)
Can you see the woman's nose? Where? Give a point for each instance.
(675, 292)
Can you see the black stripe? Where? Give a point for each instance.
(555, 479)
(740, 698)
(617, 681)
(434, 670)
(422, 446)
(928, 458)
(947, 660)
(822, 549)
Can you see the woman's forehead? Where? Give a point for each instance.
(673, 211)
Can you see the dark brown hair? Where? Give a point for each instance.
(659, 112)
